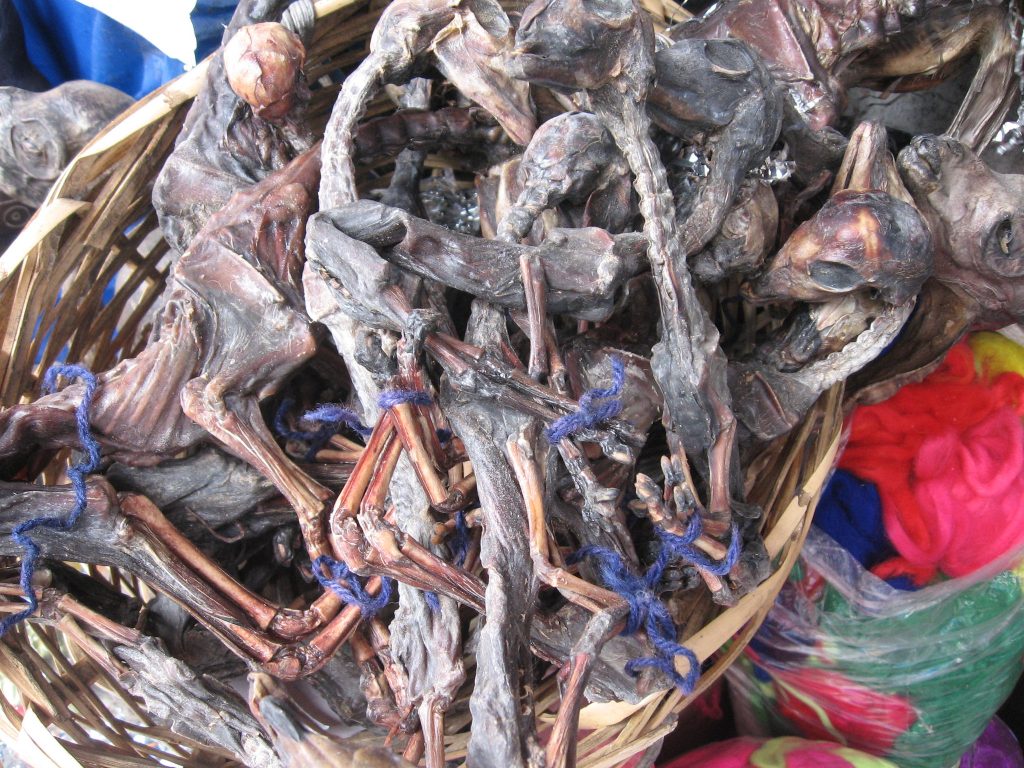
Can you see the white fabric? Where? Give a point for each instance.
(167, 24)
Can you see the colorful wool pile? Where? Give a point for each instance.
(901, 640)
(947, 458)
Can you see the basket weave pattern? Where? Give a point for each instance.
(98, 229)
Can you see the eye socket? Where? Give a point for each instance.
(1003, 241)
(32, 146)
(1004, 248)
(834, 276)
(1004, 236)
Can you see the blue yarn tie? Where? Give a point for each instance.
(458, 544)
(331, 416)
(682, 547)
(460, 540)
(76, 474)
(334, 416)
(281, 427)
(591, 411)
(646, 611)
(389, 398)
(345, 585)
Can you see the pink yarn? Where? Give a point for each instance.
(947, 457)
(970, 489)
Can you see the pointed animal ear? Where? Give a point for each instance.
(472, 57)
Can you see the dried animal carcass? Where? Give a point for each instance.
(537, 427)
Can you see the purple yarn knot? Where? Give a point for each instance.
(76, 474)
(389, 398)
(646, 610)
(345, 585)
(591, 412)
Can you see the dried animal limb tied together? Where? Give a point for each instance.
(454, 413)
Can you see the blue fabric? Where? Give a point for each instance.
(70, 41)
(850, 511)
(15, 68)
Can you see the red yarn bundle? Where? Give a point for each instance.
(947, 456)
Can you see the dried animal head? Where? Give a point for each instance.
(471, 51)
(700, 83)
(977, 219)
(263, 63)
(858, 241)
(41, 132)
(719, 94)
(577, 43)
(405, 30)
(746, 237)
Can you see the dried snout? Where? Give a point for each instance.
(858, 241)
(575, 44)
(977, 220)
(263, 64)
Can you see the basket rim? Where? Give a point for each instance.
(154, 106)
(648, 719)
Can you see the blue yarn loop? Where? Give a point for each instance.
(331, 416)
(432, 601)
(345, 585)
(334, 416)
(595, 406)
(389, 398)
(646, 611)
(76, 474)
(460, 540)
(682, 547)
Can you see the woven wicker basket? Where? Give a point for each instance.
(98, 228)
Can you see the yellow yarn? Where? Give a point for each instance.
(995, 354)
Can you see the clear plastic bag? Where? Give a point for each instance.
(911, 676)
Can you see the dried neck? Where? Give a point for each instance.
(338, 185)
(681, 310)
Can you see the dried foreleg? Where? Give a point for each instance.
(404, 189)
(368, 544)
(105, 535)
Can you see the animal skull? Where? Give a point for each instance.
(977, 220)
(858, 241)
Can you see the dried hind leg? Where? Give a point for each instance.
(240, 427)
(521, 456)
